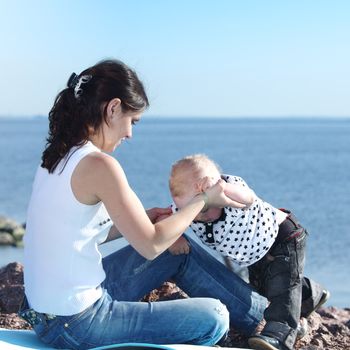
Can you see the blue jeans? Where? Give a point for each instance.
(118, 317)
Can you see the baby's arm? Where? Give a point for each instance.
(241, 194)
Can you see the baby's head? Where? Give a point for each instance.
(190, 176)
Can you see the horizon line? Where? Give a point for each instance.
(156, 116)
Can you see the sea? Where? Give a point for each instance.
(302, 164)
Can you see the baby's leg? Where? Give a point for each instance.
(280, 273)
(313, 296)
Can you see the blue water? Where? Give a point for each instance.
(300, 164)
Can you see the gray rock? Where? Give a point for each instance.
(7, 239)
(11, 232)
(8, 225)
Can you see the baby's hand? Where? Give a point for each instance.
(158, 214)
(181, 246)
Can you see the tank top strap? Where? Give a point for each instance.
(74, 156)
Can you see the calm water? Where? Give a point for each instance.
(301, 164)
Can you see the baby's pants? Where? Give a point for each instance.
(279, 277)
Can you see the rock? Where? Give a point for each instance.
(11, 232)
(13, 321)
(11, 296)
(7, 239)
(329, 328)
(8, 225)
(11, 288)
(18, 233)
(168, 291)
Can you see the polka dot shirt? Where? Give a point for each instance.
(245, 235)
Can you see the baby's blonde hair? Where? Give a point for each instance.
(190, 170)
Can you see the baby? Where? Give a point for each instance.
(267, 240)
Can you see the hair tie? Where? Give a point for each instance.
(74, 82)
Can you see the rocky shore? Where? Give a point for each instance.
(329, 328)
(11, 232)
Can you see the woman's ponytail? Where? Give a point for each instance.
(79, 107)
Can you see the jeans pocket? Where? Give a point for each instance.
(76, 329)
(60, 336)
(47, 331)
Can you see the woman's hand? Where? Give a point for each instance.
(158, 214)
(181, 246)
(241, 197)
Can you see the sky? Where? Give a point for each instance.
(196, 57)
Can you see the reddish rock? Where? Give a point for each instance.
(168, 291)
(11, 288)
(11, 296)
(13, 321)
(328, 329)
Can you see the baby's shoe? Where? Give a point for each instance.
(263, 342)
(323, 297)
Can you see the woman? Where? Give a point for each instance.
(80, 199)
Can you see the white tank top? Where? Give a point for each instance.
(62, 263)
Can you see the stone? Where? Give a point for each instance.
(11, 288)
(13, 321)
(168, 291)
(18, 233)
(8, 225)
(6, 238)
(11, 232)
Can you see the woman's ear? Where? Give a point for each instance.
(113, 108)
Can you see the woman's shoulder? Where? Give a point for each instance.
(99, 161)
(95, 172)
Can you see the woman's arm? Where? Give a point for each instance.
(154, 214)
(99, 177)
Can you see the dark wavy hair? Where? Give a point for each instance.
(72, 115)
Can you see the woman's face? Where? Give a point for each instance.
(118, 129)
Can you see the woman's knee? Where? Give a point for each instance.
(220, 321)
